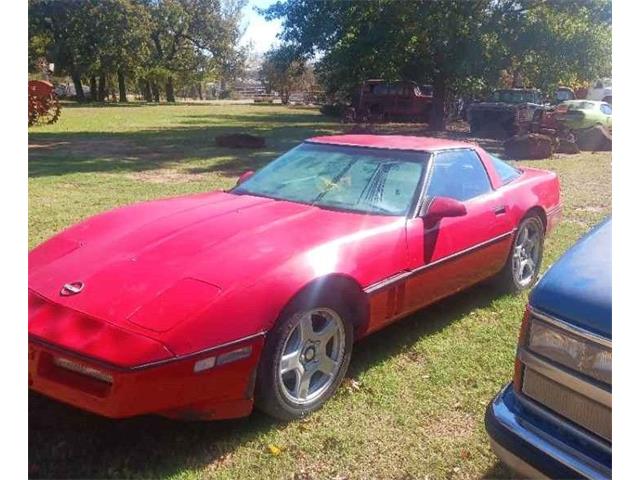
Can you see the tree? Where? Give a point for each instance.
(283, 71)
(121, 30)
(452, 44)
(193, 35)
(61, 31)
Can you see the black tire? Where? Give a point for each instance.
(269, 394)
(506, 279)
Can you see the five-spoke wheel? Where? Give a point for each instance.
(525, 258)
(311, 355)
(305, 357)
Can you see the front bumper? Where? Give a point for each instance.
(537, 444)
(170, 388)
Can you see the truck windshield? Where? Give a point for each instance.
(366, 180)
(514, 96)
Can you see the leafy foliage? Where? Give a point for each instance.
(284, 70)
(458, 45)
(152, 40)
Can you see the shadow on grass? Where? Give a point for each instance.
(67, 103)
(400, 336)
(68, 443)
(52, 154)
(60, 153)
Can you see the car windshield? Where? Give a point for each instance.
(514, 96)
(366, 180)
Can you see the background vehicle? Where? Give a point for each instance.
(601, 90)
(581, 114)
(554, 419)
(509, 110)
(379, 100)
(182, 306)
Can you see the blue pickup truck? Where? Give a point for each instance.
(554, 419)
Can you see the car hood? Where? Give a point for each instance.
(577, 288)
(191, 247)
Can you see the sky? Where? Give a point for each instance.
(259, 31)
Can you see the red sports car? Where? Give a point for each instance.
(197, 306)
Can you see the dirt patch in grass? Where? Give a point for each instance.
(454, 424)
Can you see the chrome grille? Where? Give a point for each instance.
(584, 411)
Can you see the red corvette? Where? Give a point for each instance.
(194, 307)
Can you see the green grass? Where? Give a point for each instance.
(414, 401)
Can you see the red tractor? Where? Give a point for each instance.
(44, 107)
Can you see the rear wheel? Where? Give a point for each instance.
(305, 358)
(525, 257)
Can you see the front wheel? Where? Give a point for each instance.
(525, 257)
(305, 359)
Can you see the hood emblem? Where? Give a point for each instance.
(71, 289)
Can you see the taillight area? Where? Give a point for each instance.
(522, 340)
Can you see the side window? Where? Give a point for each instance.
(458, 174)
(505, 171)
(606, 109)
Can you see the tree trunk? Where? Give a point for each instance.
(94, 88)
(122, 86)
(200, 90)
(284, 96)
(102, 87)
(147, 91)
(437, 116)
(170, 96)
(155, 91)
(77, 83)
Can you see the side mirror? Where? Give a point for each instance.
(444, 207)
(244, 177)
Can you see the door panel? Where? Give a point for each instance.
(450, 254)
(456, 252)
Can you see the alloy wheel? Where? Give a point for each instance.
(526, 252)
(311, 355)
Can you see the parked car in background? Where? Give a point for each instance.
(581, 114)
(382, 101)
(191, 307)
(554, 419)
(507, 110)
(601, 90)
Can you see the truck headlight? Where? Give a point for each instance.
(572, 351)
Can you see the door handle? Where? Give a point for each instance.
(501, 210)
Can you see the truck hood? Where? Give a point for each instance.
(577, 288)
(192, 247)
